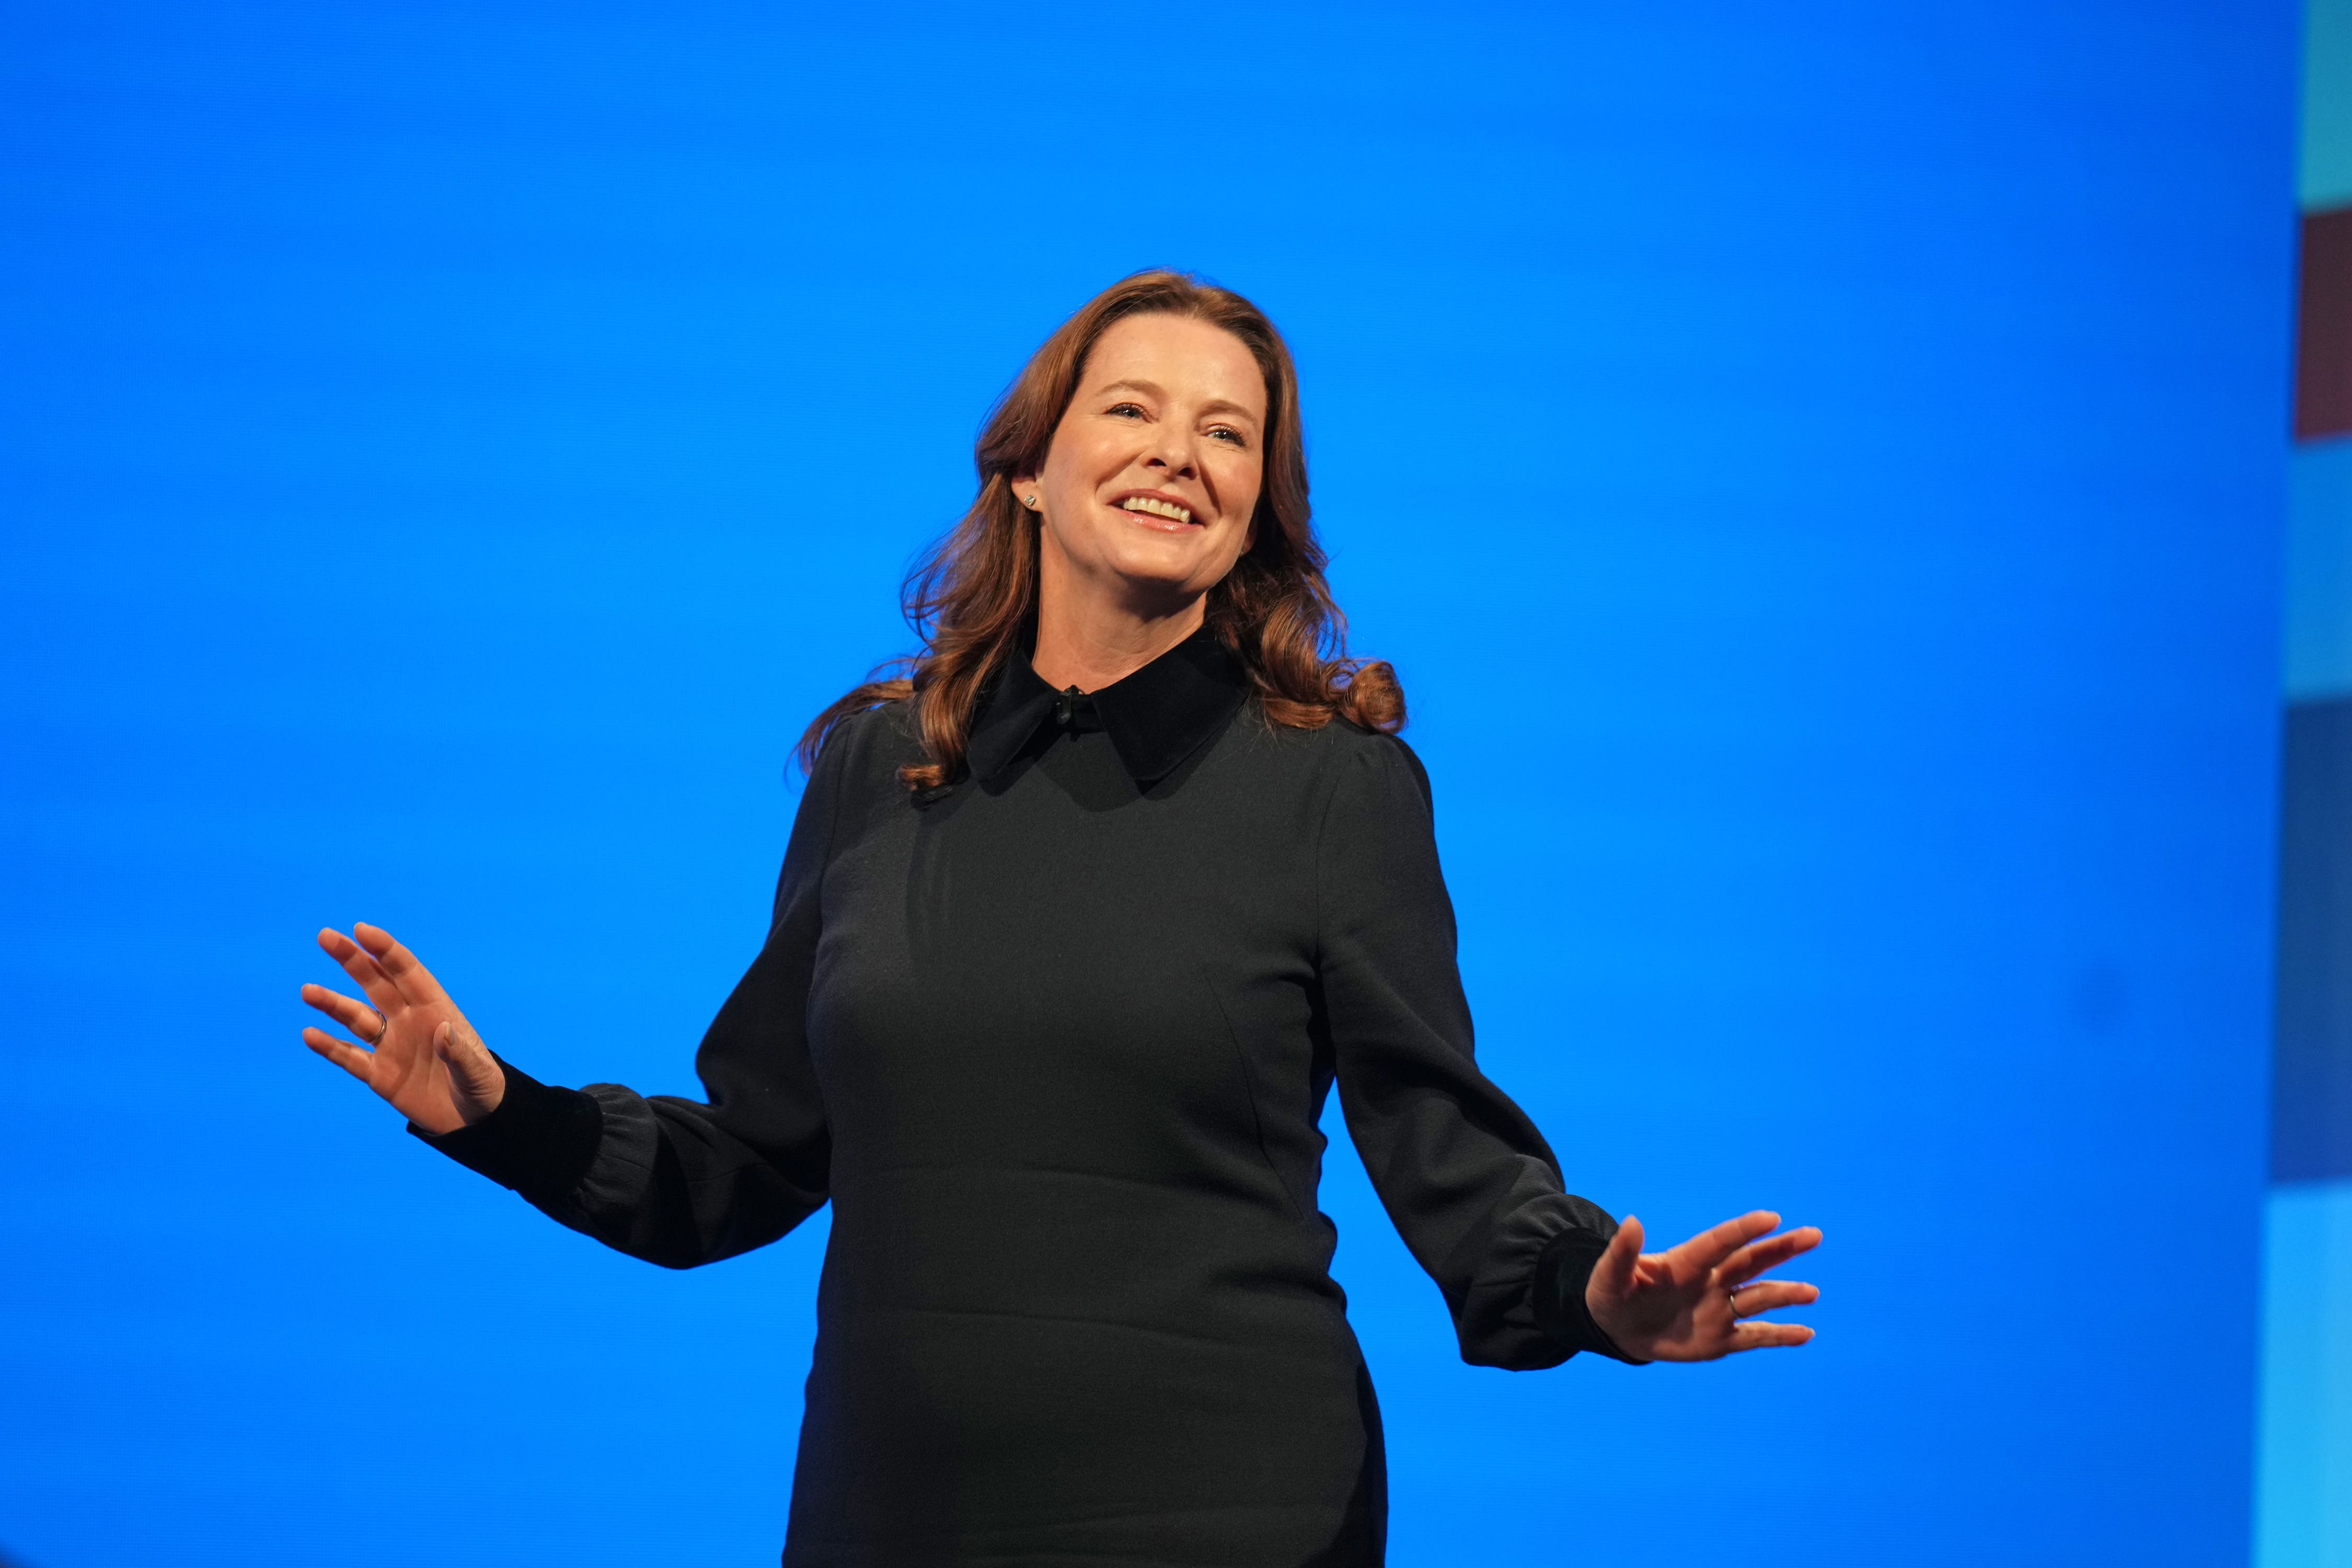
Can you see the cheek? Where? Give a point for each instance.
(1081, 460)
(1240, 485)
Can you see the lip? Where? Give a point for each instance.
(1157, 524)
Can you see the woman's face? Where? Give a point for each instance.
(1153, 473)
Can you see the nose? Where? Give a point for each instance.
(1172, 452)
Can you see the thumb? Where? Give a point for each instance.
(1612, 1274)
(471, 1067)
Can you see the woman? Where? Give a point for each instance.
(1080, 923)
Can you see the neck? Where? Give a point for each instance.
(1091, 641)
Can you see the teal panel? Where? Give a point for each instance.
(2326, 165)
(2303, 1508)
(2319, 573)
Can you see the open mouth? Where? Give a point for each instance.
(1156, 506)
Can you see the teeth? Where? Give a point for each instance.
(1158, 507)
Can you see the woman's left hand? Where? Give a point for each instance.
(1696, 1301)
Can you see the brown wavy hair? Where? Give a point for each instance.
(973, 594)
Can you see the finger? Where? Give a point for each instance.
(1708, 1247)
(1761, 1335)
(415, 981)
(362, 966)
(1612, 1272)
(360, 1064)
(1769, 1253)
(357, 1016)
(1771, 1296)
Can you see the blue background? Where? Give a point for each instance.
(1817, 470)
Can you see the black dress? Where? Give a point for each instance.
(1055, 1043)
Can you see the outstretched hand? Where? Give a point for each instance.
(1696, 1301)
(426, 1059)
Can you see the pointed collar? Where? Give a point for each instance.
(1155, 718)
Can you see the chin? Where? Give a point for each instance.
(1169, 564)
(1168, 589)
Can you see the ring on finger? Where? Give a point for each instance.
(383, 1027)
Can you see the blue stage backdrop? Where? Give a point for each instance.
(1816, 470)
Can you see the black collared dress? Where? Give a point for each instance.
(1055, 1042)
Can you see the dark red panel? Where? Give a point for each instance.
(2323, 353)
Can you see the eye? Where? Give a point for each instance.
(1226, 433)
(1125, 410)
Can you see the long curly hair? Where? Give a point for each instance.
(973, 594)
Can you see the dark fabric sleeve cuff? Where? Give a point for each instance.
(1562, 1270)
(539, 1141)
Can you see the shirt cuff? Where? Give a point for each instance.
(1563, 1268)
(539, 1141)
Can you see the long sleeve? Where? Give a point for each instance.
(680, 1182)
(1467, 1179)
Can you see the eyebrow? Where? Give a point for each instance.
(1215, 406)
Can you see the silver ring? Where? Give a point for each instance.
(383, 1027)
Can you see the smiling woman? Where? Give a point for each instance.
(1156, 438)
(1083, 918)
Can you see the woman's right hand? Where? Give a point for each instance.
(426, 1059)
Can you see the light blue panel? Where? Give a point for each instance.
(2303, 1493)
(2319, 573)
(2326, 174)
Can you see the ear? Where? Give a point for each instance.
(1025, 493)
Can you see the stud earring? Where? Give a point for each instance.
(1033, 503)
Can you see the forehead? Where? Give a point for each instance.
(1190, 359)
